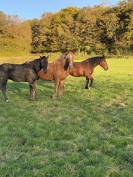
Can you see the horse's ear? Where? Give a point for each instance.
(66, 65)
(74, 51)
(103, 55)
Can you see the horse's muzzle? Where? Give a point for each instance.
(71, 65)
(106, 68)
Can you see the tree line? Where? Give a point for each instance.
(99, 29)
(15, 35)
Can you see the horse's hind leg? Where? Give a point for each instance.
(32, 89)
(87, 83)
(3, 89)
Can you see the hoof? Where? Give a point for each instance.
(89, 88)
(54, 97)
(31, 99)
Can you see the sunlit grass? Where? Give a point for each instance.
(54, 56)
(86, 133)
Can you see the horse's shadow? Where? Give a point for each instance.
(17, 87)
(44, 88)
(46, 84)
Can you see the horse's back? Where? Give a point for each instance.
(5, 67)
(15, 72)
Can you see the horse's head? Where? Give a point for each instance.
(44, 63)
(103, 63)
(69, 56)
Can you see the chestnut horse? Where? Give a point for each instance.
(58, 71)
(86, 68)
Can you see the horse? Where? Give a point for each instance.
(86, 68)
(58, 71)
(26, 72)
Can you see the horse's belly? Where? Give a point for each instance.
(17, 78)
(77, 73)
(45, 76)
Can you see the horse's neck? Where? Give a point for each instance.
(35, 65)
(76, 64)
(60, 61)
(95, 64)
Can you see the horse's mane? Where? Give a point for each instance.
(32, 61)
(94, 60)
(63, 61)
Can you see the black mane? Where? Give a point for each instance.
(94, 60)
(31, 62)
(34, 64)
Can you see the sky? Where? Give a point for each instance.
(29, 9)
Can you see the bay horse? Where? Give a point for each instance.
(86, 68)
(58, 71)
(26, 72)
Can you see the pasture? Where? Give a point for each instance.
(86, 133)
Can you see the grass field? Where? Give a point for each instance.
(86, 133)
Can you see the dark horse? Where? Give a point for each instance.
(26, 72)
(85, 68)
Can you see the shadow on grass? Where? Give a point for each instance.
(21, 89)
(74, 90)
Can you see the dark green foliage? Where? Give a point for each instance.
(97, 29)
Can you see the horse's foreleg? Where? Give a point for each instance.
(32, 89)
(3, 89)
(87, 83)
(61, 88)
(91, 82)
(56, 88)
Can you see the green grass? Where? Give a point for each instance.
(86, 133)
